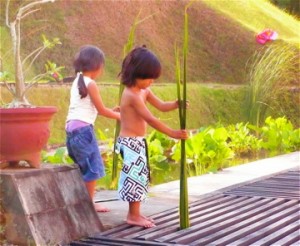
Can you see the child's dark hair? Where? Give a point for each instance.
(89, 58)
(140, 63)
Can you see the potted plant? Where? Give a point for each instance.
(24, 128)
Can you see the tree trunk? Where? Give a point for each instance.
(19, 77)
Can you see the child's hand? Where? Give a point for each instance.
(180, 134)
(116, 109)
(187, 103)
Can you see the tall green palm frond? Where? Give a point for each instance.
(183, 205)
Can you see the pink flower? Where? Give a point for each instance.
(55, 75)
(266, 35)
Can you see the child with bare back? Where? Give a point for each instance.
(139, 69)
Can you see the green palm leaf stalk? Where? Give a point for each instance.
(178, 81)
(183, 206)
(126, 49)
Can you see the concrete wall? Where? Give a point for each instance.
(46, 206)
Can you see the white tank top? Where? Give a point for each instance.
(81, 109)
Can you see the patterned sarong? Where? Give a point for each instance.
(135, 173)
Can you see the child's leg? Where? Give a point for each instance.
(91, 187)
(134, 216)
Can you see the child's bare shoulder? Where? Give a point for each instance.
(128, 96)
(129, 92)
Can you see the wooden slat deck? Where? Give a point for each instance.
(266, 212)
(285, 185)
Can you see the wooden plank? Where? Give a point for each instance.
(265, 212)
(282, 232)
(231, 238)
(205, 219)
(242, 220)
(203, 214)
(275, 182)
(173, 219)
(291, 239)
(286, 177)
(165, 217)
(114, 242)
(268, 229)
(90, 242)
(240, 211)
(271, 191)
(272, 186)
(79, 243)
(236, 223)
(267, 194)
(122, 241)
(263, 190)
(283, 185)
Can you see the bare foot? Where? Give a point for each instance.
(147, 218)
(100, 208)
(139, 221)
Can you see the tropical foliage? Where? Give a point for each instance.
(209, 150)
(206, 151)
(279, 136)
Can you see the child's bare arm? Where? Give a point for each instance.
(144, 113)
(97, 100)
(159, 104)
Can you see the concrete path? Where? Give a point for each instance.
(166, 196)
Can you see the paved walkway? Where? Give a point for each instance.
(166, 196)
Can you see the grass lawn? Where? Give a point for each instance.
(208, 106)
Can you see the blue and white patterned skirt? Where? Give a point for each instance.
(135, 174)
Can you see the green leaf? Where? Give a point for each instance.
(211, 154)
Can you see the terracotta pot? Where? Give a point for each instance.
(23, 134)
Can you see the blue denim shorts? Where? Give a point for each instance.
(83, 149)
